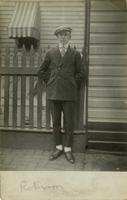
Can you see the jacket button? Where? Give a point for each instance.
(58, 68)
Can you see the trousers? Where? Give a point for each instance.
(67, 107)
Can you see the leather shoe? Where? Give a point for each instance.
(56, 153)
(69, 157)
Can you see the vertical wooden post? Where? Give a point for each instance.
(6, 101)
(39, 105)
(23, 89)
(32, 53)
(15, 57)
(15, 88)
(23, 100)
(31, 102)
(31, 88)
(6, 91)
(23, 60)
(86, 59)
(15, 100)
(0, 95)
(47, 113)
(0, 84)
(49, 108)
(39, 56)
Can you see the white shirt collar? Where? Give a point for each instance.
(66, 45)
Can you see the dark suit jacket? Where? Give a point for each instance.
(62, 74)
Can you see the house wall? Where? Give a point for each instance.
(108, 62)
(108, 49)
(53, 13)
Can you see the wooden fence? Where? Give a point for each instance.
(21, 106)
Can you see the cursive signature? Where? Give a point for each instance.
(38, 185)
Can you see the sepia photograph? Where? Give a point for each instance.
(63, 99)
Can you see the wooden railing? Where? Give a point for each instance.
(21, 105)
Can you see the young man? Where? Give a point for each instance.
(62, 71)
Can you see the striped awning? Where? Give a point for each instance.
(25, 21)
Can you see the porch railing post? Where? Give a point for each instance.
(0, 96)
(6, 89)
(86, 60)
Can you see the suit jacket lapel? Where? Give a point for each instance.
(59, 59)
(67, 54)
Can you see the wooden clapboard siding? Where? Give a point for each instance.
(104, 5)
(107, 113)
(107, 103)
(108, 82)
(108, 92)
(108, 38)
(109, 27)
(109, 50)
(108, 60)
(57, 13)
(6, 12)
(108, 71)
(108, 63)
(115, 16)
(52, 14)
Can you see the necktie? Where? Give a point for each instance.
(63, 51)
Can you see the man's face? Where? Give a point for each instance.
(64, 37)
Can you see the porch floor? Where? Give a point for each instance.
(37, 160)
